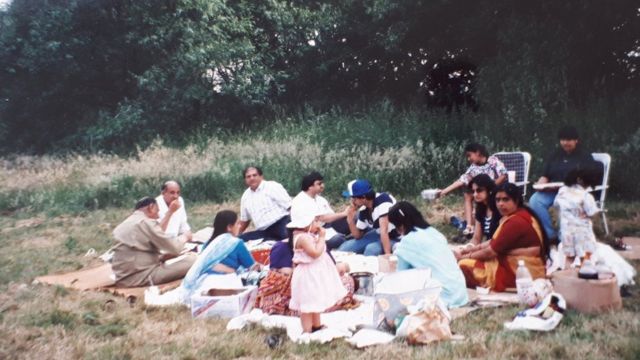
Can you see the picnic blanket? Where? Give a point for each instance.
(99, 278)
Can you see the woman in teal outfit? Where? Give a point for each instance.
(423, 246)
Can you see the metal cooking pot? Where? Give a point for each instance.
(363, 282)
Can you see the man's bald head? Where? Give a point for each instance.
(170, 191)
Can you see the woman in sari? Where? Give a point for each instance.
(519, 237)
(224, 253)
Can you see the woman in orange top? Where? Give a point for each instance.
(519, 236)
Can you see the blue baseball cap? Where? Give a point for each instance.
(358, 187)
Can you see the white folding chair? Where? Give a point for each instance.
(605, 159)
(518, 161)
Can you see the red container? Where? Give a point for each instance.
(261, 256)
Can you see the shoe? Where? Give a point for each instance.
(620, 245)
(457, 223)
(544, 317)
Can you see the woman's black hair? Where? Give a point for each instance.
(485, 182)
(309, 179)
(475, 147)
(144, 202)
(406, 215)
(222, 220)
(514, 192)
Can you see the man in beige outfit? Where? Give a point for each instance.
(143, 246)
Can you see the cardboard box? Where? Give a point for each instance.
(224, 303)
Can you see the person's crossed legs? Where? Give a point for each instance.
(369, 244)
(276, 231)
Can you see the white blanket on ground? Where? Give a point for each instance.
(338, 324)
(605, 253)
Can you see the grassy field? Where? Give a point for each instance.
(56, 208)
(51, 322)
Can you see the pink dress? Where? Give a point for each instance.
(315, 283)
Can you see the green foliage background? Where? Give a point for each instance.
(113, 76)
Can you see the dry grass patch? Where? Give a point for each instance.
(48, 322)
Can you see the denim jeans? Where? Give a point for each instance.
(540, 203)
(276, 231)
(368, 245)
(336, 241)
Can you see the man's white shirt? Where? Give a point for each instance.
(178, 224)
(269, 203)
(316, 206)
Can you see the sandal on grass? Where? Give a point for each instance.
(620, 245)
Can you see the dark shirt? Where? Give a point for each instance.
(481, 216)
(560, 163)
(371, 218)
(281, 256)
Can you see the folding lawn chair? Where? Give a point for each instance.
(518, 161)
(605, 159)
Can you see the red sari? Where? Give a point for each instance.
(516, 231)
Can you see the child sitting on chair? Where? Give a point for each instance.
(481, 163)
(576, 206)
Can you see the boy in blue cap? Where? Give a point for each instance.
(374, 234)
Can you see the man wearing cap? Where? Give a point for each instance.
(310, 200)
(142, 248)
(267, 204)
(567, 157)
(373, 233)
(176, 224)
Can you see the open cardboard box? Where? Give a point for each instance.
(224, 303)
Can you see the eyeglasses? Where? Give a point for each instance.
(503, 199)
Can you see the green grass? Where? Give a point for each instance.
(401, 151)
(45, 321)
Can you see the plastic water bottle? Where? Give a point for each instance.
(523, 282)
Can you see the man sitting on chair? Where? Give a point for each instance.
(267, 204)
(567, 157)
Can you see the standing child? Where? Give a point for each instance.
(481, 163)
(315, 283)
(576, 206)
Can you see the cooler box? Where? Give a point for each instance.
(224, 303)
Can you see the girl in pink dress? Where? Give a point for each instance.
(315, 283)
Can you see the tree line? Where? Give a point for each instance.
(109, 74)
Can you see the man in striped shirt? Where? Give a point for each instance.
(267, 204)
(374, 234)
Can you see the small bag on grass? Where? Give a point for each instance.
(427, 325)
